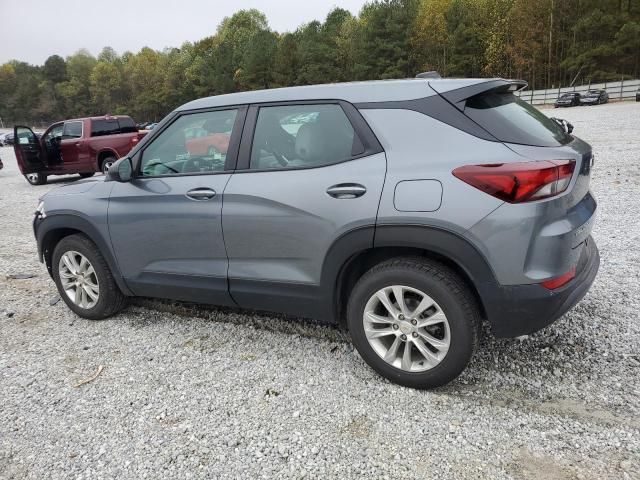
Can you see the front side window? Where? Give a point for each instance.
(194, 143)
(72, 130)
(299, 136)
(54, 133)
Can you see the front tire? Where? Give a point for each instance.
(414, 321)
(84, 279)
(36, 178)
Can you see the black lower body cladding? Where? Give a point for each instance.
(512, 310)
(523, 309)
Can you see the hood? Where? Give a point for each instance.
(75, 188)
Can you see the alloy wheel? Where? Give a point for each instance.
(106, 165)
(406, 328)
(78, 279)
(33, 178)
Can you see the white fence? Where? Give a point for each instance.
(621, 90)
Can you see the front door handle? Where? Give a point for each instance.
(346, 190)
(201, 194)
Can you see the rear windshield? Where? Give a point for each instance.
(112, 126)
(512, 120)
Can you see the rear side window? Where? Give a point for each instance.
(512, 120)
(127, 125)
(104, 127)
(301, 136)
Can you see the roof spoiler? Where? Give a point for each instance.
(459, 96)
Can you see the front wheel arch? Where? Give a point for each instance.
(52, 229)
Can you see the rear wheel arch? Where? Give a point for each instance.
(104, 154)
(350, 257)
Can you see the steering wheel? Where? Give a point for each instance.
(281, 159)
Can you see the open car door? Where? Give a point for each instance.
(30, 155)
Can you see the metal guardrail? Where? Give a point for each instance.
(620, 90)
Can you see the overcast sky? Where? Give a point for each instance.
(34, 29)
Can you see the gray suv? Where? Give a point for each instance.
(407, 210)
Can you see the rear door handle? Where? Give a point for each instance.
(201, 194)
(346, 190)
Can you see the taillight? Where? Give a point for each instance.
(521, 181)
(560, 281)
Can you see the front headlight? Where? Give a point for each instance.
(40, 210)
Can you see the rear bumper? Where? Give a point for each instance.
(522, 309)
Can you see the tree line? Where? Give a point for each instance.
(546, 42)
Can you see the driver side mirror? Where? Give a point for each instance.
(121, 171)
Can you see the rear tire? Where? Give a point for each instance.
(106, 163)
(77, 259)
(450, 334)
(36, 178)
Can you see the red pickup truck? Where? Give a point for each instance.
(82, 145)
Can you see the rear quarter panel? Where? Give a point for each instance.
(535, 241)
(419, 147)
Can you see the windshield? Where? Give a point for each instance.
(512, 120)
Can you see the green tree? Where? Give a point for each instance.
(384, 40)
(106, 83)
(55, 69)
(430, 40)
(257, 69)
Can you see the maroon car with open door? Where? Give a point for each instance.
(83, 145)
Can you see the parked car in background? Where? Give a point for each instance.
(594, 97)
(208, 140)
(638, 95)
(568, 100)
(82, 145)
(410, 210)
(7, 139)
(151, 126)
(1, 164)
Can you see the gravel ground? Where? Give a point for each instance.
(231, 394)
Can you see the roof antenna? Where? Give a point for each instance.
(430, 74)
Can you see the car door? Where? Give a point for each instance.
(51, 144)
(308, 173)
(73, 150)
(165, 224)
(30, 155)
